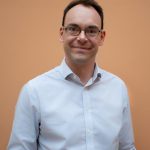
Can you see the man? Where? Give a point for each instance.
(77, 105)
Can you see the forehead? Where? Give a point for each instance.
(83, 16)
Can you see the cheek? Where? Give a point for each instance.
(68, 41)
(95, 43)
(67, 44)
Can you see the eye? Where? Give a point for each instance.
(73, 29)
(92, 30)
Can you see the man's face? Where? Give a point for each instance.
(81, 49)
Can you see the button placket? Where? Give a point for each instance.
(88, 119)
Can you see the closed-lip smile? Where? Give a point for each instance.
(81, 48)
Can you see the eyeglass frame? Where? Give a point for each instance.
(85, 30)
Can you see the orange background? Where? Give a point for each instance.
(29, 45)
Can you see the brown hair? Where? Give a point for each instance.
(87, 3)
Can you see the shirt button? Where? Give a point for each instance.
(88, 110)
(89, 131)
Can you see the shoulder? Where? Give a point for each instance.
(111, 79)
(44, 79)
(114, 84)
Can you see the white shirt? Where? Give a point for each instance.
(56, 112)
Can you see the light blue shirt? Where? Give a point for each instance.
(56, 112)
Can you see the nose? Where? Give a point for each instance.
(82, 37)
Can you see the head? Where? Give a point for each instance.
(82, 31)
(86, 3)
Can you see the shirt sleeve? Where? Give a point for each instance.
(25, 128)
(126, 138)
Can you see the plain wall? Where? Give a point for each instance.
(29, 46)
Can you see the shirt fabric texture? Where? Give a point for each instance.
(55, 111)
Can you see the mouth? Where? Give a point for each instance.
(82, 48)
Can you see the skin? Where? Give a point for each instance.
(80, 51)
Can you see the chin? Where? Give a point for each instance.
(80, 60)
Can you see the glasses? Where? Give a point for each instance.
(75, 30)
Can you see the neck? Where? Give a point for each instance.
(83, 71)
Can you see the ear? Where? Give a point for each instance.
(102, 37)
(61, 31)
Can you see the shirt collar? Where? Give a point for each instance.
(97, 73)
(66, 71)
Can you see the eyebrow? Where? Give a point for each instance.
(93, 26)
(76, 25)
(73, 24)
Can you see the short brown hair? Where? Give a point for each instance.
(91, 3)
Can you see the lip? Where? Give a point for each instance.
(82, 48)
